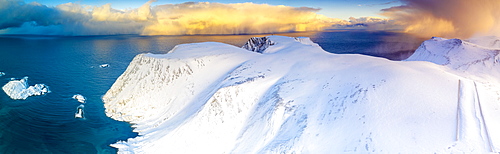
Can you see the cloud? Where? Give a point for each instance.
(309, 9)
(370, 23)
(385, 3)
(69, 19)
(240, 18)
(447, 18)
(374, 23)
(32, 12)
(169, 19)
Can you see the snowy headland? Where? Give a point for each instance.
(292, 96)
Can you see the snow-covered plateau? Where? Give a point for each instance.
(291, 96)
(19, 89)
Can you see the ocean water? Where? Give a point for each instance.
(70, 65)
(390, 45)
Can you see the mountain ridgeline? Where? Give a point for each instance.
(288, 95)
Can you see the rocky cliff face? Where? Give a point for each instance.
(258, 44)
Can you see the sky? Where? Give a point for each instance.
(442, 18)
(342, 9)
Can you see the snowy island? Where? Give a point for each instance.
(288, 95)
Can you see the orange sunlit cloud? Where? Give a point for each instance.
(217, 18)
(447, 18)
(169, 19)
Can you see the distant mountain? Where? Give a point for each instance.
(486, 41)
(460, 55)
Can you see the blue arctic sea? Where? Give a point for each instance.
(70, 65)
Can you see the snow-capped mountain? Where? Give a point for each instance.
(296, 97)
(460, 55)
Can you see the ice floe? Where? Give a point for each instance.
(104, 65)
(79, 97)
(79, 111)
(19, 89)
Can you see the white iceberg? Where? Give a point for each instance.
(104, 65)
(294, 97)
(79, 97)
(79, 111)
(19, 89)
(2, 74)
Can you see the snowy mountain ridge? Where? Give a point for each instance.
(486, 41)
(296, 97)
(460, 55)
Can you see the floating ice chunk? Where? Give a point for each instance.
(104, 65)
(79, 97)
(79, 111)
(19, 89)
(2, 73)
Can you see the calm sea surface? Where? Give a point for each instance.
(70, 65)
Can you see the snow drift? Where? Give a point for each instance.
(295, 97)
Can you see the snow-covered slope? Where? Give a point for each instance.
(486, 41)
(460, 55)
(295, 97)
(479, 92)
